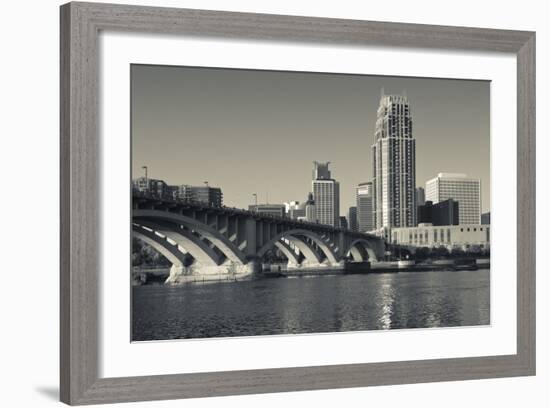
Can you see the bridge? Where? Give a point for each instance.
(218, 243)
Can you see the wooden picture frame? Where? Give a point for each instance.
(80, 157)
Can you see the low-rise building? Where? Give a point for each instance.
(295, 210)
(443, 213)
(207, 195)
(277, 210)
(462, 236)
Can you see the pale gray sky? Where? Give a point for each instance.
(254, 131)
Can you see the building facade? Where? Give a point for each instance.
(211, 196)
(364, 198)
(326, 194)
(451, 236)
(295, 210)
(154, 187)
(310, 209)
(394, 165)
(443, 213)
(352, 219)
(461, 188)
(343, 222)
(420, 196)
(206, 195)
(276, 210)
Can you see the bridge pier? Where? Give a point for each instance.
(227, 271)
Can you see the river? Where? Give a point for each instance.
(319, 304)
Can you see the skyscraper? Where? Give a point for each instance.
(364, 207)
(326, 194)
(394, 164)
(467, 191)
(321, 171)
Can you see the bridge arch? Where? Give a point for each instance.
(197, 248)
(288, 252)
(229, 249)
(170, 252)
(356, 252)
(293, 236)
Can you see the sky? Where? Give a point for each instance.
(256, 131)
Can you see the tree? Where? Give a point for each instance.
(441, 252)
(422, 253)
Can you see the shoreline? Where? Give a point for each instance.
(150, 275)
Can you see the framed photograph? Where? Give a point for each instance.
(259, 203)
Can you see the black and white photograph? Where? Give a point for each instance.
(279, 202)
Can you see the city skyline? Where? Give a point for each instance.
(289, 144)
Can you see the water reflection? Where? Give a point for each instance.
(311, 305)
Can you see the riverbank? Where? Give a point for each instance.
(158, 275)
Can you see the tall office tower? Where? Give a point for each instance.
(365, 219)
(326, 194)
(461, 188)
(352, 218)
(321, 171)
(394, 164)
(420, 196)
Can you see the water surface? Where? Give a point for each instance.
(318, 304)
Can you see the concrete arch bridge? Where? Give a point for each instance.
(211, 243)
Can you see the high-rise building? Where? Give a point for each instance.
(321, 171)
(364, 197)
(326, 194)
(352, 219)
(420, 196)
(467, 191)
(394, 164)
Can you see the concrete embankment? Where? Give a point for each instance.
(169, 276)
(145, 275)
